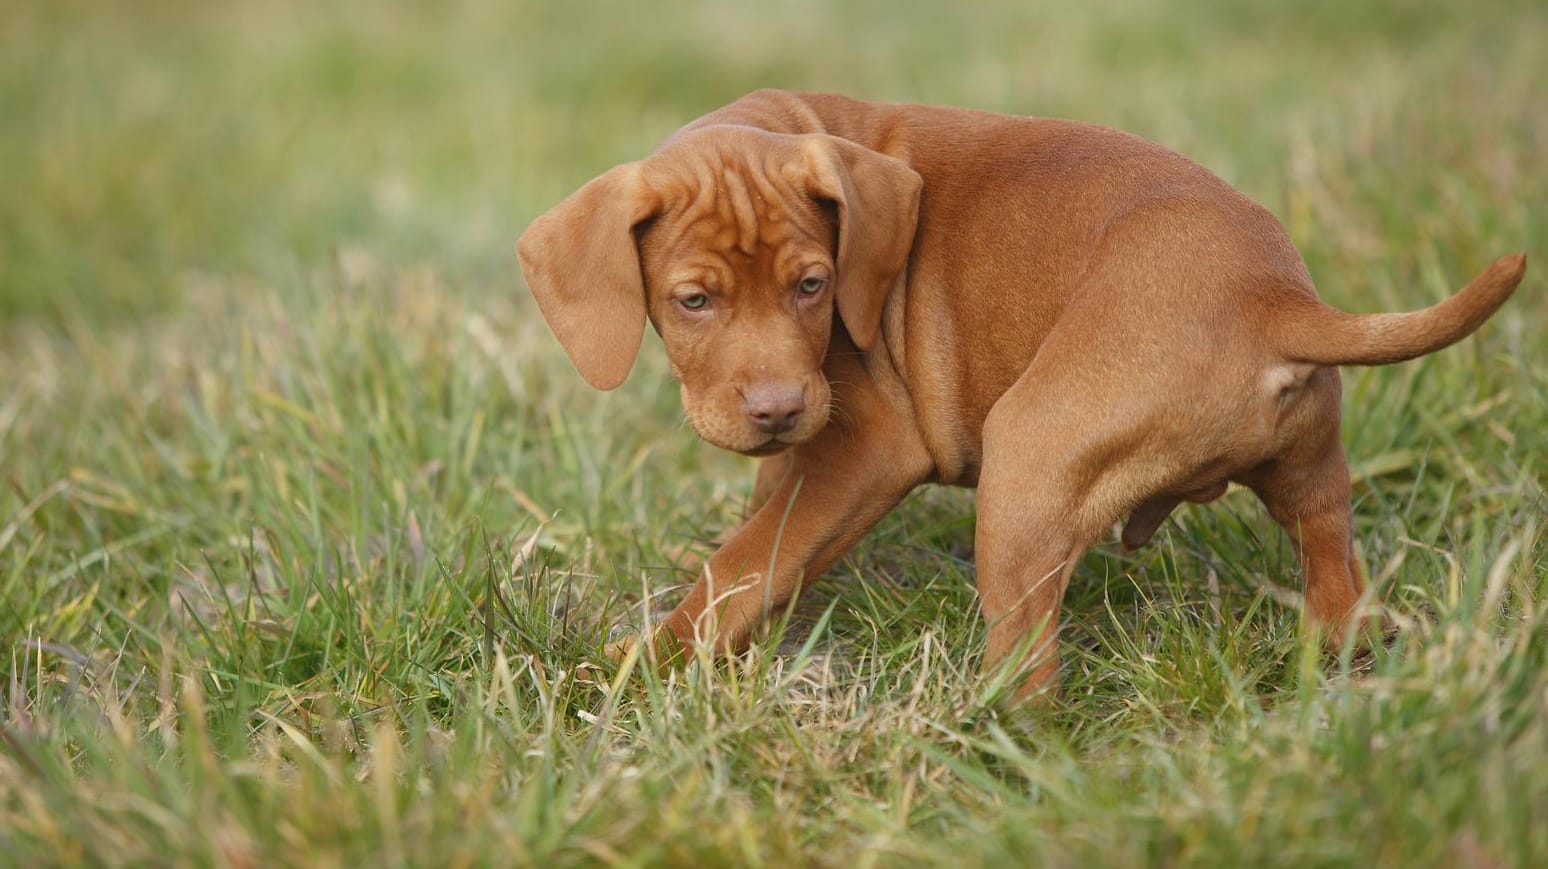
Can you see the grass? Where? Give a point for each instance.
(306, 523)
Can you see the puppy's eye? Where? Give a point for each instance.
(811, 286)
(695, 302)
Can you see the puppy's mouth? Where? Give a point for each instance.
(767, 448)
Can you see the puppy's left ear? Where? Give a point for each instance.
(877, 198)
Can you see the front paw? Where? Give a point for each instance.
(619, 651)
(664, 653)
(616, 653)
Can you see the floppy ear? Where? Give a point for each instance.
(582, 265)
(877, 198)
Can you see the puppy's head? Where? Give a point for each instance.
(739, 245)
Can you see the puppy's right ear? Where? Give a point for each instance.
(583, 267)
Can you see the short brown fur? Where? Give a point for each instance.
(1082, 324)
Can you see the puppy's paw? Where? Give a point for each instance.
(1365, 629)
(664, 653)
(590, 674)
(614, 654)
(618, 651)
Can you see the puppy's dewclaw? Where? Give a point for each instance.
(1084, 325)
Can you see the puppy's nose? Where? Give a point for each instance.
(774, 409)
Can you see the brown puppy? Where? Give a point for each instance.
(872, 296)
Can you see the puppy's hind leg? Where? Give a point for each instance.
(1306, 489)
(1054, 478)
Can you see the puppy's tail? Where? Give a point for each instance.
(1327, 336)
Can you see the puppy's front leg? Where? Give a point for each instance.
(771, 472)
(689, 556)
(833, 489)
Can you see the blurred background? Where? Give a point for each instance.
(145, 144)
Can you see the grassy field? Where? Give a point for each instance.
(306, 522)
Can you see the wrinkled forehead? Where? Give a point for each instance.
(734, 193)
